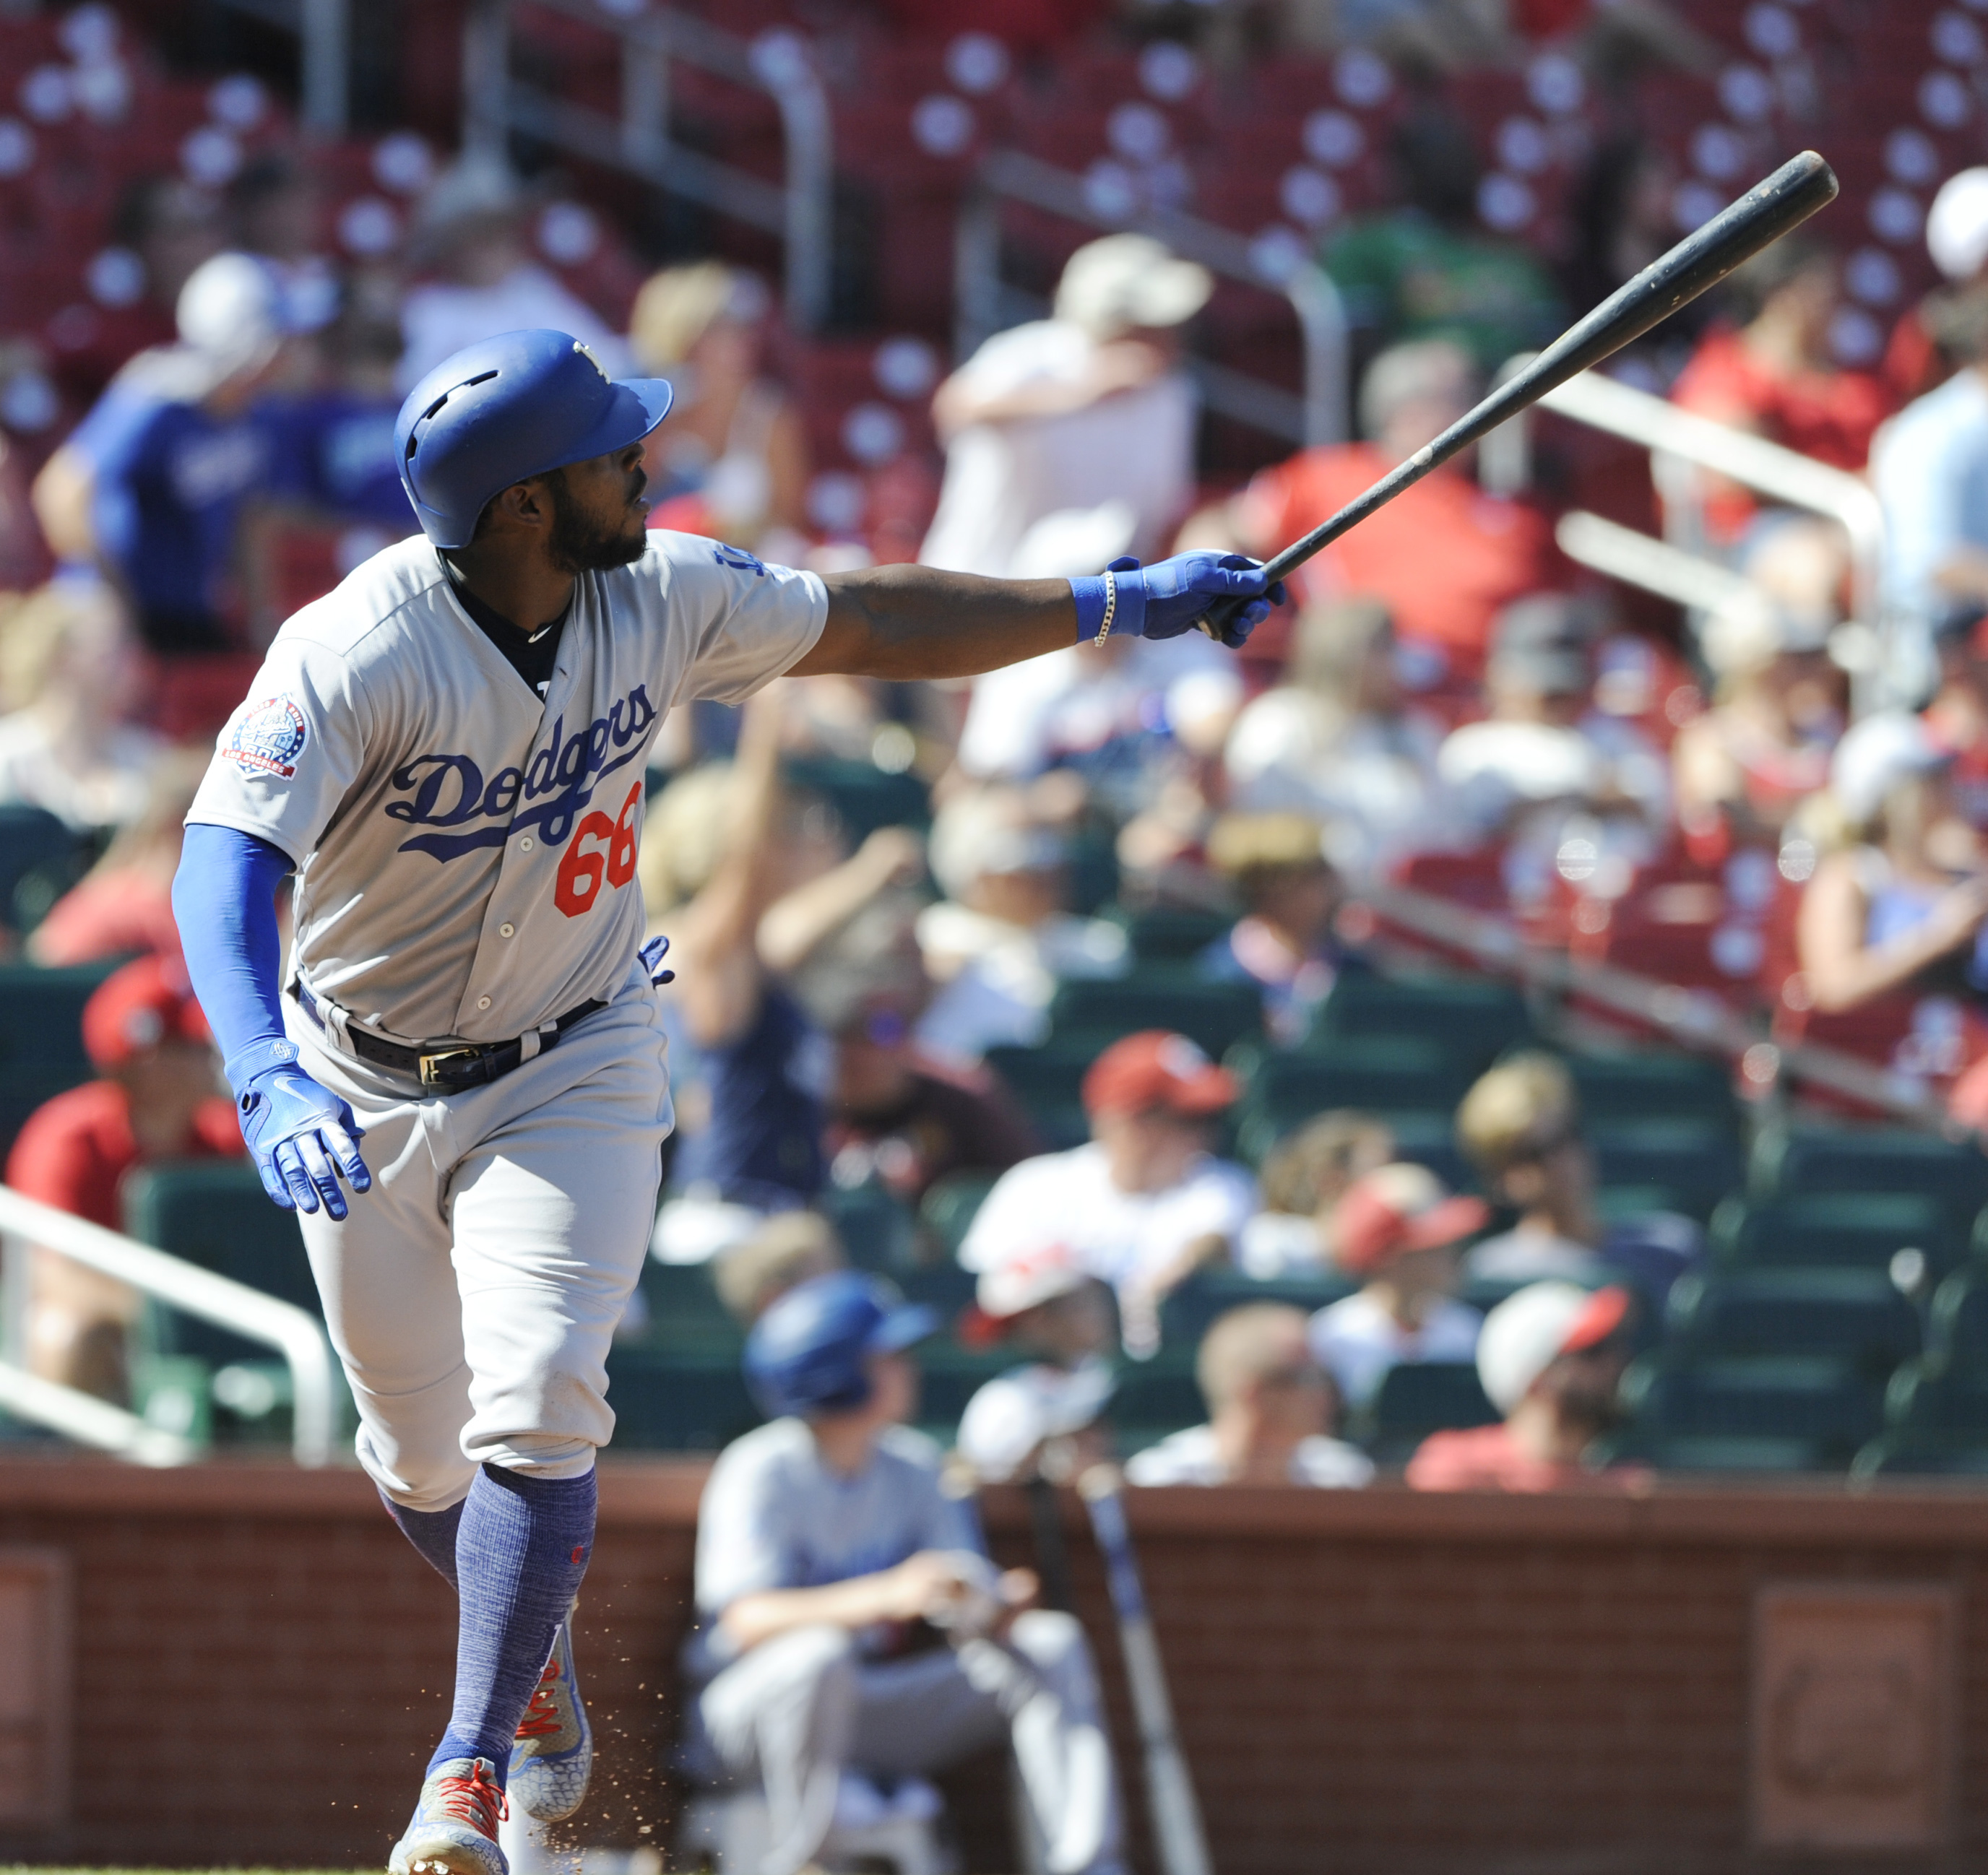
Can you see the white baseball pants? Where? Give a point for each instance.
(472, 1293)
(798, 1709)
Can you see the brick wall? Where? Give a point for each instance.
(1374, 1681)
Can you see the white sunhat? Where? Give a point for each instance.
(1957, 224)
(1128, 282)
(1875, 756)
(1529, 1331)
(234, 312)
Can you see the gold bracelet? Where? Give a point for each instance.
(1110, 606)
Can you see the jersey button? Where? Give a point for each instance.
(525, 845)
(507, 931)
(483, 1002)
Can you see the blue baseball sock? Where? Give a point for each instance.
(432, 1533)
(520, 1556)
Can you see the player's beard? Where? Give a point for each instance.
(580, 543)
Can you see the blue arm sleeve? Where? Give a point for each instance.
(224, 902)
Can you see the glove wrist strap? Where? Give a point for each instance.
(258, 1058)
(1107, 602)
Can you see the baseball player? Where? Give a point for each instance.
(448, 752)
(823, 1538)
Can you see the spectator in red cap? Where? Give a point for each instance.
(1042, 1416)
(1399, 1231)
(1143, 1204)
(1551, 1359)
(156, 1100)
(1270, 1412)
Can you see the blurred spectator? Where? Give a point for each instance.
(25, 560)
(1428, 269)
(733, 459)
(1771, 372)
(1551, 1359)
(1304, 1177)
(1443, 556)
(824, 1538)
(1921, 354)
(1144, 1204)
(153, 482)
(1519, 1125)
(124, 902)
(1284, 942)
(158, 1097)
(1546, 753)
(1902, 907)
(1399, 1231)
(1003, 939)
(1622, 219)
(1041, 1419)
(277, 205)
(1958, 714)
(895, 1113)
(788, 1249)
(469, 236)
(1051, 419)
(1742, 769)
(1336, 740)
(173, 227)
(68, 666)
(1270, 1412)
(1929, 465)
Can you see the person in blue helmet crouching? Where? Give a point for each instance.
(853, 1635)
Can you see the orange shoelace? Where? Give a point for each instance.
(476, 1799)
(542, 1715)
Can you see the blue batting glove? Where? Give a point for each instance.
(651, 954)
(1172, 596)
(301, 1136)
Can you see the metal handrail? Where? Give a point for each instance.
(296, 1334)
(799, 211)
(89, 1420)
(1319, 416)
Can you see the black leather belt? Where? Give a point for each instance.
(446, 1067)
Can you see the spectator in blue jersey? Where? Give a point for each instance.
(153, 484)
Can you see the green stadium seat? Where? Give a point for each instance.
(1415, 1399)
(1729, 1455)
(1835, 1231)
(1172, 934)
(175, 1393)
(875, 1226)
(1097, 1011)
(674, 1400)
(950, 1375)
(1851, 1315)
(1923, 1454)
(865, 796)
(40, 1037)
(1957, 1321)
(684, 1307)
(1694, 1163)
(1472, 1020)
(944, 1286)
(1803, 1398)
(948, 1207)
(1185, 1314)
(1048, 1083)
(1375, 1074)
(1155, 1398)
(1862, 1159)
(1651, 1084)
(40, 859)
(1933, 1396)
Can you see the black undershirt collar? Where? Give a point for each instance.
(533, 655)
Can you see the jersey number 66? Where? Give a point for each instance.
(581, 869)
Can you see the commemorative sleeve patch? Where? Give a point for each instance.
(267, 738)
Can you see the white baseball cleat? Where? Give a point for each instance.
(553, 1755)
(455, 1829)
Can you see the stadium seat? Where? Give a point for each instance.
(1692, 1163)
(1834, 1231)
(40, 859)
(1726, 1453)
(1217, 1015)
(1867, 1159)
(1957, 1321)
(948, 1208)
(874, 1224)
(1172, 934)
(1931, 1395)
(1472, 1020)
(865, 797)
(944, 1286)
(1415, 1399)
(1186, 1313)
(1375, 1073)
(950, 1375)
(684, 1305)
(1923, 1454)
(1048, 1081)
(1649, 1084)
(1155, 1398)
(674, 1400)
(40, 1037)
(1790, 1397)
(1850, 1315)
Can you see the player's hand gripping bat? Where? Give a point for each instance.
(1765, 213)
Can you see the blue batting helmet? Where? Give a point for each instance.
(808, 1352)
(504, 410)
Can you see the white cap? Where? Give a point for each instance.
(1010, 1417)
(1957, 224)
(1875, 756)
(1529, 1331)
(233, 312)
(1125, 281)
(1029, 1277)
(1750, 631)
(988, 831)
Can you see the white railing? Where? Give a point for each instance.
(985, 306)
(497, 102)
(296, 1334)
(324, 47)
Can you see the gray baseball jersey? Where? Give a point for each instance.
(466, 852)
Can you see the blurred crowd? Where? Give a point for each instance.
(876, 893)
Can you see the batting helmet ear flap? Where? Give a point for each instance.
(504, 410)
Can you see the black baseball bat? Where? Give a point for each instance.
(1766, 212)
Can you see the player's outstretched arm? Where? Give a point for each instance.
(904, 622)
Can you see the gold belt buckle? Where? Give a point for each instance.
(430, 1079)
